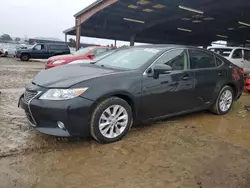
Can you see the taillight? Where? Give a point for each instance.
(241, 71)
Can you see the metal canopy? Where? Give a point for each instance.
(193, 22)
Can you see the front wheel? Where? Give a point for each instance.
(111, 120)
(224, 101)
(25, 57)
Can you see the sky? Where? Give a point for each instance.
(42, 18)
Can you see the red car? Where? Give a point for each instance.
(247, 82)
(84, 53)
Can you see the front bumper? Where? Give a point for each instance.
(43, 115)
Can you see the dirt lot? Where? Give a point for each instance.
(199, 150)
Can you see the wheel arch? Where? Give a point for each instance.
(25, 53)
(234, 87)
(128, 97)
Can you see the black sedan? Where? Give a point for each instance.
(134, 84)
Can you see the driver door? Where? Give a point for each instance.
(39, 51)
(171, 92)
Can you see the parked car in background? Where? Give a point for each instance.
(84, 53)
(134, 84)
(42, 51)
(247, 82)
(235, 55)
(1, 52)
(96, 59)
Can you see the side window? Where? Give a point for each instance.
(177, 59)
(53, 47)
(99, 51)
(237, 54)
(201, 60)
(39, 47)
(219, 62)
(247, 54)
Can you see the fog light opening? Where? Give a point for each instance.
(61, 125)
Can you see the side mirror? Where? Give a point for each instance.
(161, 69)
(91, 56)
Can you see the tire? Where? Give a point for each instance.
(5, 54)
(25, 57)
(114, 130)
(217, 108)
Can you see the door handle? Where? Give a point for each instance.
(220, 73)
(185, 77)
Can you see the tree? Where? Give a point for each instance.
(17, 39)
(5, 37)
(72, 42)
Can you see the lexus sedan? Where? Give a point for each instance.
(130, 86)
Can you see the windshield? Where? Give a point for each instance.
(83, 51)
(103, 55)
(222, 51)
(131, 58)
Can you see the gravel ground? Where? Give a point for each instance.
(198, 150)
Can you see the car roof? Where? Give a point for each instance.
(227, 47)
(99, 46)
(54, 44)
(168, 46)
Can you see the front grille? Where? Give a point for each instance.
(28, 95)
(30, 119)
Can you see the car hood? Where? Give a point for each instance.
(23, 50)
(67, 57)
(61, 57)
(69, 75)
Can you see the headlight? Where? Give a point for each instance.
(62, 94)
(58, 62)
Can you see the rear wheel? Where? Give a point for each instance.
(5, 54)
(111, 120)
(224, 101)
(25, 57)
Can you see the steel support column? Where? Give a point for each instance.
(132, 40)
(66, 39)
(78, 35)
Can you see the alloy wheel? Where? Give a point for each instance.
(226, 100)
(113, 121)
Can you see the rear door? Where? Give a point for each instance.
(207, 76)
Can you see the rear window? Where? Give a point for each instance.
(83, 51)
(222, 51)
(59, 47)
